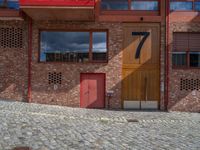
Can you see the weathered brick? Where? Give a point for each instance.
(69, 92)
(183, 100)
(13, 66)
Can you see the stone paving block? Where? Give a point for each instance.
(61, 128)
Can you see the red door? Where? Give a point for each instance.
(92, 92)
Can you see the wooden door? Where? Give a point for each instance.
(92, 93)
(140, 70)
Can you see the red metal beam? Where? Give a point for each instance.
(83, 3)
(167, 52)
(29, 57)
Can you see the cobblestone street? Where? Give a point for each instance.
(43, 127)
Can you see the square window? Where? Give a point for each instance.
(194, 59)
(179, 59)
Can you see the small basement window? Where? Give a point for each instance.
(76, 46)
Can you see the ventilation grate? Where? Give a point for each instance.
(22, 148)
(189, 84)
(55, 78)
(11, 38)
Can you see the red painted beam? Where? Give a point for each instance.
(30, 24)
(167, 52)
(82, 3)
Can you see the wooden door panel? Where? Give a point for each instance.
(131, 44)
(131, 85)
(141, 76)
(134, 86)
(92, 93)
(150, 49)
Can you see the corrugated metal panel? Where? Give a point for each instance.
(186, 41)
(180, 41)
(194, 42)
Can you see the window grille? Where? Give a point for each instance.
(11, 38)
(55, 78)
(189, 84)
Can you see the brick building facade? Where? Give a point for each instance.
(183, 81)
(148, 82)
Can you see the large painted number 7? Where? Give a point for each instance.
(145, 34)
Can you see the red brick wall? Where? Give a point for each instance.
(13, 66)
(69, 92)
(15, 85)
(182, 100)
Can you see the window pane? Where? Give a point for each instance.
(114, 4)
(179, 59)
(144, 5)
(12, 4)
(64, 46)
(194, 59)
(99, 46)
(181, 5)
(197, 6)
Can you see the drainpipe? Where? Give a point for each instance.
(30, 24)
(167, 53)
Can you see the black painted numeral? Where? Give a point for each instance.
(145, 34)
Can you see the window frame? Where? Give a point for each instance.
(90, 45)
(187, 51)
(193, 5)
(130, 11)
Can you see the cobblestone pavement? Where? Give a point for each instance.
(44, 127)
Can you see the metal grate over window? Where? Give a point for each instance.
(11, 38)
(55, 78)
(189, 84)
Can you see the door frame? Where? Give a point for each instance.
(81, 88)
(124, 25)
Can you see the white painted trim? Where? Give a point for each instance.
(149, 104)
(131, 104)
